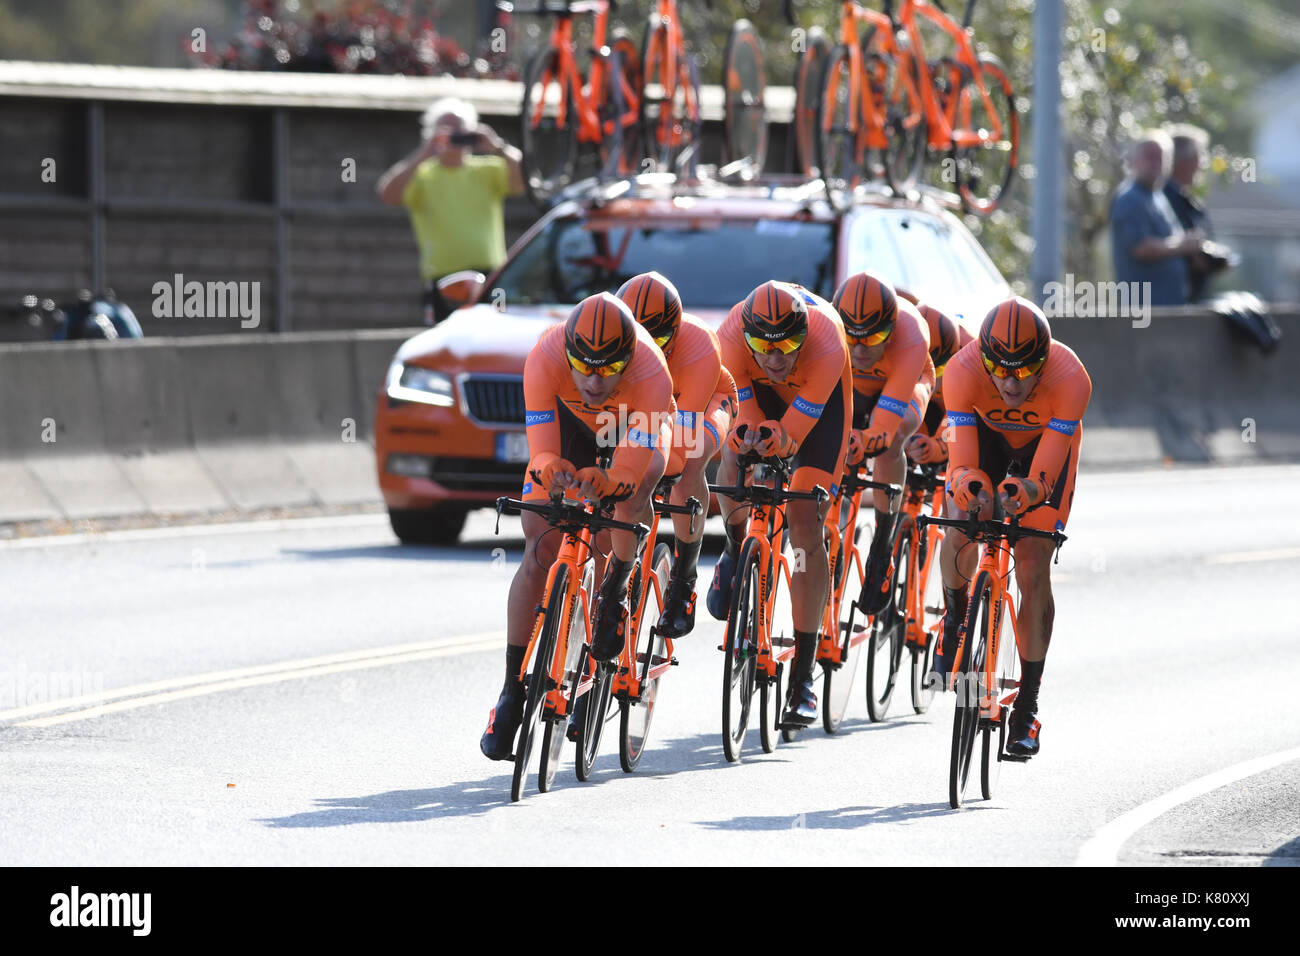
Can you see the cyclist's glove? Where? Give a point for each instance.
(855, 455)
(772, 441)
(736, 438)
(554, 467)
(965, 484)
(874, 441)
(927, 450)
(1019, 495)
(609, 486)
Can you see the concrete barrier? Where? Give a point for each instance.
(241, 422)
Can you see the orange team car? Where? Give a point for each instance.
(449, 420)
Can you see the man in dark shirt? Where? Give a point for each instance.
(1190, 144)
(1147, 242)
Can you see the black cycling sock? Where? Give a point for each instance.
(884, 528)
(1031, 675)
(686, 558)
(732, 543)
(805, 654)
(955, 600)
(514, 660)
(617, 573)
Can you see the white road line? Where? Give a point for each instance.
(193, 531)
(284, 670)
(1103, 849)
(1244, 557)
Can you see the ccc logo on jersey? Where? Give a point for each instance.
(1014, 416)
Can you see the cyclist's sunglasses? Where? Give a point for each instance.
(663, 340)
(785, 346)
(875, 338)
(1001, 371)
(604, 371)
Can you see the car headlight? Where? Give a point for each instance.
(410, 383)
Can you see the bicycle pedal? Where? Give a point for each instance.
(1014, 758)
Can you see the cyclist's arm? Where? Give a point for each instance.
(737, 360)
(1071, 401)
(649, 430)
(541, 399)
(909, 368)
(960, 432)
(697, 382)
(825, 376)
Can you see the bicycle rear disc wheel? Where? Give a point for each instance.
(837, 682)
(538, 682)
(807, 97)
(888, 630)
(994, 733)
(966, 716)
(549, 146)
(744, 84)
(985, 172)
(575, 656)
(739, 649)
(635, 716)
(838, 155)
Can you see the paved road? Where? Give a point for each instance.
(310, 692)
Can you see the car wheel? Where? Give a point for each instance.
(441, 525)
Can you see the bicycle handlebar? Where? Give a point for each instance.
(852, 482)
(989, 531)
(692, 508)
(567, 515)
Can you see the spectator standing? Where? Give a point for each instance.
(1147, 242)
(1190, 146)
(453, 188)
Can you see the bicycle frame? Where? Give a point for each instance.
(575, 551)
(569, 78)
(919, 574)
(667, 55)
(947, 129)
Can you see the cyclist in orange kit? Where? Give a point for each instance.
(1016, 400)
(596, 384)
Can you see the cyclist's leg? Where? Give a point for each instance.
(678, 616)
(889, 466)
(818, 462)
(1037, 608)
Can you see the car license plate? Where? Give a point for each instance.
(512, 447)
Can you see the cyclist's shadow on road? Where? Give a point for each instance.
(701, 752)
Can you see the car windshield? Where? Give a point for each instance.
(713, 263)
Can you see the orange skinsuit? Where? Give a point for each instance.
(636, 420)
(703, 390)
(815, 402)
(1044, 432)
(903, 376)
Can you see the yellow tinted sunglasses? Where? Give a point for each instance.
(1000, 371)
(785, 346)
(875, 338)
(663, 340)
(604, 371)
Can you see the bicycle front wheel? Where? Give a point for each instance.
(985, 170)
(1006, 673)
(807, 92)
(539, 680)
(837, 682)
(888, 630)
(652, 654)
(739, 650)
(781, 631)
(548, 129)
(966, 718)
(931, 584)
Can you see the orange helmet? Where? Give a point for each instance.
(655, 304)
(600, 332)
(944, 345)
(775, 312)
(867, 305)
(1015, 334)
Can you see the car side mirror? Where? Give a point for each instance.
(461, 288)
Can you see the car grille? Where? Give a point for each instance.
(495, 399)
(476, 474)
